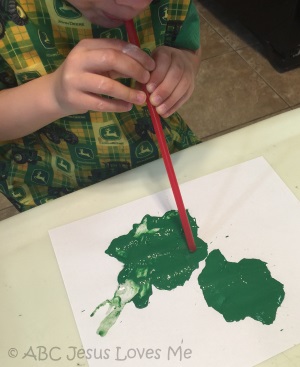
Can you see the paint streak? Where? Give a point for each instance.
(240, 290)
(154, 253)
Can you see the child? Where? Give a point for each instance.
(72, 112)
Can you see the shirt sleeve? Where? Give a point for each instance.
(188, 36)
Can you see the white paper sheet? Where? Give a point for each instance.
(245, 211)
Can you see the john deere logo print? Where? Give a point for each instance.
(84, 153)
(110, 132)
(63, 165)
(45, 41)
(40, 177)
(144, 149)
(66, 10)
(29, 75)
(163, 14)
(18, 193)
(112, 33)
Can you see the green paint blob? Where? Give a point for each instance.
(240, 290)
(154, 253)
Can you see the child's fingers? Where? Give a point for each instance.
(172, 82)
(139, 55)
(174, 108)
(108, 60)
(175, 82)
(177, 91)
(171, 77)
(98, 103)
(126, 48)
(101, 85)
(163, 62)
(182, 91)
(170, 108)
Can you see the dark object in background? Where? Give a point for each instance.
(276, 23)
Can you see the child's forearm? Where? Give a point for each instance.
(27, 108)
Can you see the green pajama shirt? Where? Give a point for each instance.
(79, 150)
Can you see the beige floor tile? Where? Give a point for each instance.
(6, 208)
(4, 203)
(225, 24)
(228, 93)
(286, 84)
(212, 43)
(8, 212)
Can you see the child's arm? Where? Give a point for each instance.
(172, 82)
(77, 86)
(27, 108)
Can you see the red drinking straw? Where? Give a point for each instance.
(133, 38)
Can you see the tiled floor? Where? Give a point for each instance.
(236, 85)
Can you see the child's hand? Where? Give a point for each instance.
(172, 81)
(86, 78)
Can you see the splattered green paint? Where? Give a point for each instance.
(242, 289)
(154, 253)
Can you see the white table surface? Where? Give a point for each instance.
(34, 310)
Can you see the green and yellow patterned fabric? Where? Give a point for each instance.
(79, 150)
